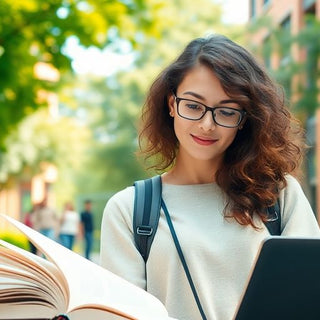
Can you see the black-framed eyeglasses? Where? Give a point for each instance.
(222, 116)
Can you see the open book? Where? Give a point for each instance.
(32, 287)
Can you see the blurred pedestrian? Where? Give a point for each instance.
(45, 219)
(69, 226)
(87, 227)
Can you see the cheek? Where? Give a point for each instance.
(230, 136)
(181, 127)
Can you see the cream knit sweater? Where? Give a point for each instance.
(219, 252)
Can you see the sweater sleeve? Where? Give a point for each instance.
(118, 252)
(298, 218)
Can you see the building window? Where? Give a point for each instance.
(311, 62)
(312, 58)
(285, 55)
(266, 52)
(308, 3)
(285, 41)
(253, 8)
(311, 9)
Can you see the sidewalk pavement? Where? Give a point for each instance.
(95, 257)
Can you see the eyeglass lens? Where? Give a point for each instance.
(223, 116)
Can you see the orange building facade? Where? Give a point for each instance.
(291, 14)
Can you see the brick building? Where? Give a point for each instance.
(290, 16)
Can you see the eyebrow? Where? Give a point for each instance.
(198, 96)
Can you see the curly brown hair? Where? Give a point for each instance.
(269, 146)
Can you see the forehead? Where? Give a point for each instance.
(202, 80)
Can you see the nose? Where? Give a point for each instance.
(207, 123)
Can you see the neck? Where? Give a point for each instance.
(187, 172)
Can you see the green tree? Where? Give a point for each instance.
(41, 138)
(36, 30)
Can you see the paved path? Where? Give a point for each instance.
(95, 257)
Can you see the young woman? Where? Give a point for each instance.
(219, 126)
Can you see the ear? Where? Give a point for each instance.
(171, 105)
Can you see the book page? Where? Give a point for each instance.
(43, 271)
(28, 283)
(92, 286)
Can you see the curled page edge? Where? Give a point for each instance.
(147, 306)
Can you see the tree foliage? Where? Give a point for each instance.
(40, 138)
(303, 93)
(309, 90)
(36, 30)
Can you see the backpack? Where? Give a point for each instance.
(146, 214)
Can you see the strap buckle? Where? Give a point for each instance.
(144, 230)
(274, 216)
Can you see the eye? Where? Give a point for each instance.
(226, 112)
(193, 106)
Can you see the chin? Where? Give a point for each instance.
(207, 158)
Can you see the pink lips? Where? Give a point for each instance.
(203, 141)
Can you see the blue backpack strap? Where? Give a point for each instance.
(146, 213)
(274, 219)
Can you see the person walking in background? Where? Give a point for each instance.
(87, 226)
(220, 127)
(45, 220)
(69, 226)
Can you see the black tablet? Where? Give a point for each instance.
(285, 281)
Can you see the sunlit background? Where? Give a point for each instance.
(73, 77)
